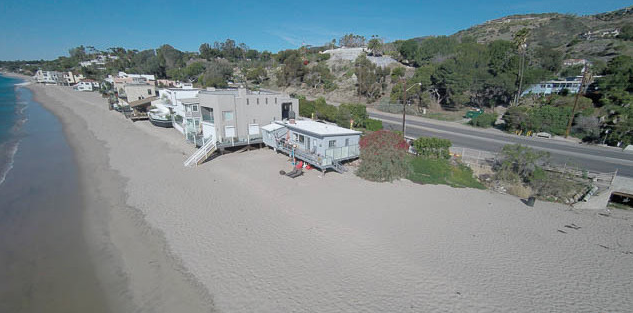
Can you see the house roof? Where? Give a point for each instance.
(317, 128)
(141, 102)
(272, 127)
(189, 100)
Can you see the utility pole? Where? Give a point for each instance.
(404, 103)
(585, 77)
(404, 106)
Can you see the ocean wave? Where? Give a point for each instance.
(6, 161)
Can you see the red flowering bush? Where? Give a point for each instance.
(383, 156)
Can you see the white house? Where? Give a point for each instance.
(319, 144)
(47, 77)
(83, 86)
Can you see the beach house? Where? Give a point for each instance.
(233, 117)
(70, 78)
(571, 84)
(322, 145)
(47, 77)
(83, 86)
(183, 118)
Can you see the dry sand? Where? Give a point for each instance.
(260, 242)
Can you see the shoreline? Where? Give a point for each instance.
(118, 235)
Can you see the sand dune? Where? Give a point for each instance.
(260, 242)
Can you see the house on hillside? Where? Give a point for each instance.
(320, 144)
(233, 116)
(572, 84)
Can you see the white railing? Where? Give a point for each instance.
(203, 152)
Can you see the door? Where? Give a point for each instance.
(308, 143)
(285, 110)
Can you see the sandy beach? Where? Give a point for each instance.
(233, 235)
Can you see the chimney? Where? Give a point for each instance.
(241, 92)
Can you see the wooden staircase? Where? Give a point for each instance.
(202, 154)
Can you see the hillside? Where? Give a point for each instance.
(591, 37)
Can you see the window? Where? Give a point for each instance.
(275, 100)
(257, 100)
(247, 102)
(332, 143)
(194, 108)
(266, 100)
(346, 142)
(149, 92)
(207, 114)
(227, 116)
(302, 139)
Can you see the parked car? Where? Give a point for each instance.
(543, 135)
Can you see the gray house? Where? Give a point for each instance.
(232, 118)
(319, 144)
(235, 115)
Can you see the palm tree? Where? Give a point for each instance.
(520, 41)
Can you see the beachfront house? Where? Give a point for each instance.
(188, 118)
(322, 145)
(133, 92)
(83, 86)
(170, 103)
(47, 77)
(70, 78)
(233, 117)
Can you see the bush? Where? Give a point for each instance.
(383, 156)
(520, 164)
(432, 147)
(442, 172)
(373, 125)
(484, 120)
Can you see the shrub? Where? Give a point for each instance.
(442, 172)
(520, 164)
(484, 120)
(383, 156)
(373, 125)
(432, 147)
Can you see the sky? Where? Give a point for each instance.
(46, 29)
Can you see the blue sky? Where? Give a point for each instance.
(47, 29)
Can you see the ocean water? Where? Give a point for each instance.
(44, 258)
(12, 118)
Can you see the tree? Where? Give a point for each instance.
(217, 73)
(257, 74)
(520, 42)
(408, 49)
(375, 45)
(352, 41)
(371, 79)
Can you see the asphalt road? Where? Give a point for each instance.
(593, 158)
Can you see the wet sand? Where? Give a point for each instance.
(43, 255)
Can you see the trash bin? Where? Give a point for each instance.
(530, 201)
